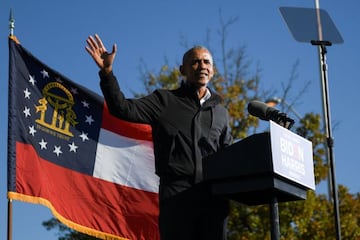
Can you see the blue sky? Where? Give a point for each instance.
(154, 32)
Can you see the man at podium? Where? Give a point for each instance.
(188, 124)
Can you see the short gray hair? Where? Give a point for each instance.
(191, 50)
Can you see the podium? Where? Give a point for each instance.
(253, 171)
(265, 168)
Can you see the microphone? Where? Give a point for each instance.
(264, 112)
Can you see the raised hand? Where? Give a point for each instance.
(98, 52)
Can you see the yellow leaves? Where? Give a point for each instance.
(234, 91)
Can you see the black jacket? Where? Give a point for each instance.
(183, 131)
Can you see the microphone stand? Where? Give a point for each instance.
(282, 119)
(330, 141)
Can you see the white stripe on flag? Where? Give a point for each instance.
(126, 161)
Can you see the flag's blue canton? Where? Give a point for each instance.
(59, 118)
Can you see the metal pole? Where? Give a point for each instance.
(317, 7)
(11, 23)
(9, 220)
(330, 145)
(274, 217)
(332, 186)
(9, 216)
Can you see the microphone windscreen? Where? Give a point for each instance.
(257, 109)
(261, 110)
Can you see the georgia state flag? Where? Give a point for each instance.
(65, 151)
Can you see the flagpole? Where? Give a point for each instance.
(11, 23)
(9, 229)
(9, 217)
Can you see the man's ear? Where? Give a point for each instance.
(181, 68)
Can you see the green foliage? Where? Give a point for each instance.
(166, 78)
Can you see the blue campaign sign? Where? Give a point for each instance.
(292, 156)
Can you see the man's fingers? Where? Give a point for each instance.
(88, 50)
(114, 49)
(97, 50)
(100, 43)
(91, 42)
(95, 45)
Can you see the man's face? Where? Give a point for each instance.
(198, 68)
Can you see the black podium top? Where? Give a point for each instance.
(244, 172)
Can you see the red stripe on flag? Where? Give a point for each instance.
(85, 200)
(124, 128)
